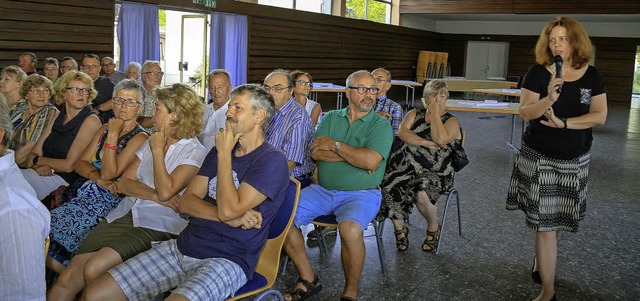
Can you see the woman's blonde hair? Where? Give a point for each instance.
(34, 81)
(189, 109)
(16, 71)
(577, 37)
(68, 77)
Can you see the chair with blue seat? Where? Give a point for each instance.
(330, 221)
(269, 261)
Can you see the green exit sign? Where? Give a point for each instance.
(207, 3)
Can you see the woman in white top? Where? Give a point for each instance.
(301, 90)
(163, 167)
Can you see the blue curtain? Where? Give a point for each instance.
(228, 45)
(138, 33)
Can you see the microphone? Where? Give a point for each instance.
(557, 61)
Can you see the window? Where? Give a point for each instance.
(316, 6)
(372, 10)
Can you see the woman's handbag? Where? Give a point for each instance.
(459, 157)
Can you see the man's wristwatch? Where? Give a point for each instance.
(337, 146)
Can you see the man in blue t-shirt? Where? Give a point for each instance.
(231, 204)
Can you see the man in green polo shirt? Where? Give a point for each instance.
(351, 147)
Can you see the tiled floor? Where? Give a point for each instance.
(492, 260)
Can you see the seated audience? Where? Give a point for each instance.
(32, 116)
(420, 170)
(11, 79)
(303, 83)
(102, 104)
(109, 68)
(216, 108)
(105, 158)
(24, 226)
(133, 71)
(27, 61)
(151, 77)
(351, 147)
(68, 64)
(232, 202)
(50, 164)
(51, 69)
(291, 129)
(163, 167)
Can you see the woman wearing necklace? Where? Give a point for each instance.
(550, 173)
(51, 163)
(420, 170)
(111, 150)
(32, 116)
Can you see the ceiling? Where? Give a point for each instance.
(618, 18)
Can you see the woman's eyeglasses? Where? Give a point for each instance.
(76, 90)
(130, 102)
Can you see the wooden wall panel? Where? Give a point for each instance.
(519, 7)
(328, 47)
(55, 28)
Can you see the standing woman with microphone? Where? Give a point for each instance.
(549, 178)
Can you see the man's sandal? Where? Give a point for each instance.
(402, 243)
(297, 294)
(430, 245)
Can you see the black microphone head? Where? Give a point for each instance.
(557, 59)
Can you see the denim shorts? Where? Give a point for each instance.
(358, 206)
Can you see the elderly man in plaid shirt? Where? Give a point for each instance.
(386, 107)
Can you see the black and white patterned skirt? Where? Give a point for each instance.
(551, 192)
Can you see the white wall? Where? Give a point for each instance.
(595, 29)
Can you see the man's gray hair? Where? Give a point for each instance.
(356, 74)
(290, 81)
(131, 85)
(5, 123)
(52, 60)
(260, 100)
(215, 72)
(435, 85)
(388, 78)
(34, 58)
(148, 63)
(68, 58)
(135, 65)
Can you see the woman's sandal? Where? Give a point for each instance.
(402, 244)
(431, 244)
(297, 294)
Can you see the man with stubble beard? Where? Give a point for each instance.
(351, 147)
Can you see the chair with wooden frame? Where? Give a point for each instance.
(269, 261)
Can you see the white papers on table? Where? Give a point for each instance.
(486, 103)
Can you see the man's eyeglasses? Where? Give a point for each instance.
(89, 67)
(155, 73)
(109, 64)
(40, 92)
(277, 89)
(76, 90)
(381, 79)
(50, 69)
(67, 68)
(303, 83)
(130, 102)
(365, 90)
